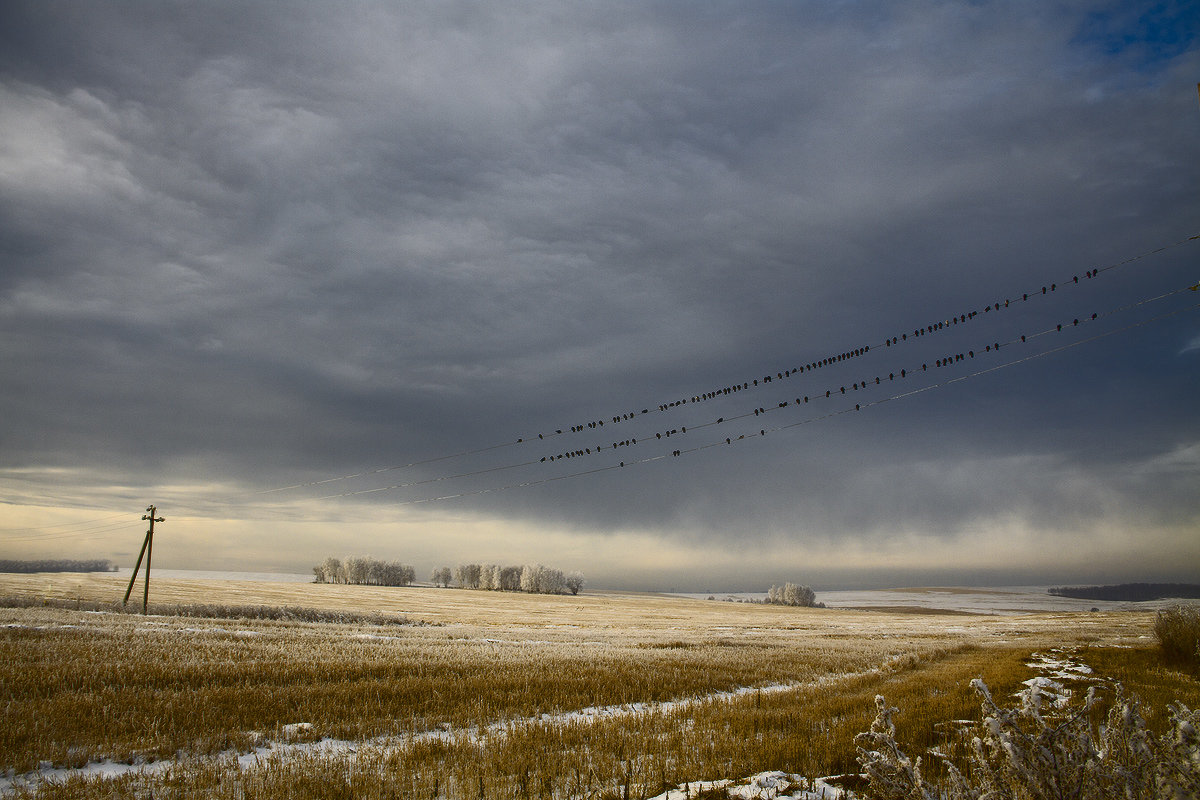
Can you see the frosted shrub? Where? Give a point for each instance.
(1178, 632)
(1040, 750)
(891, 773)
(791, 595)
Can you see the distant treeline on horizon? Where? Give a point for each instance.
(58, 565)
(1129, 592)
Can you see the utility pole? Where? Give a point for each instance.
(147, 551)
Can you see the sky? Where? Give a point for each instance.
(329, 278)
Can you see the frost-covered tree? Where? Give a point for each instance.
(538, 578)
(467, 575)
(485, 577)
(332, 571)
(371, 571)
(357, 569)
(393, 573)
(495, 579)
(575, 582)
(791, 594)
(510, 579)
(794, 595)
(441, 577)
(552, 581)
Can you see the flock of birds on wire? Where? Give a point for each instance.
(938, 363)
(611, 422)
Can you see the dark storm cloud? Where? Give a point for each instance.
(261, 244)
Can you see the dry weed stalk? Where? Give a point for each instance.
(1036, 749)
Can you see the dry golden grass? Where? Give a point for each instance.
(78, 685)
(807, 731)
(641, 615)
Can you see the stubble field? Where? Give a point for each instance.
(428, 693)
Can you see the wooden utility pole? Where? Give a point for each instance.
(147, 551)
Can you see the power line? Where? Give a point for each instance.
(764, 431)
(945, 360)
(68, 535)
(1045, 290)
(82, 523)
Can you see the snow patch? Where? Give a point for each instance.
(763, 786)
(1057, 664)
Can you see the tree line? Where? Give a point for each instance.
(363, 570)
(367, 571)
(533, 578)
(58, 565)
(1129, 592)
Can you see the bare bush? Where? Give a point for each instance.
(1178, 632)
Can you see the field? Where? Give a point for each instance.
(460, 694)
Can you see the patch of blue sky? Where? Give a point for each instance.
(1146, 36)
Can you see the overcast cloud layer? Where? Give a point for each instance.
(247, 246)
